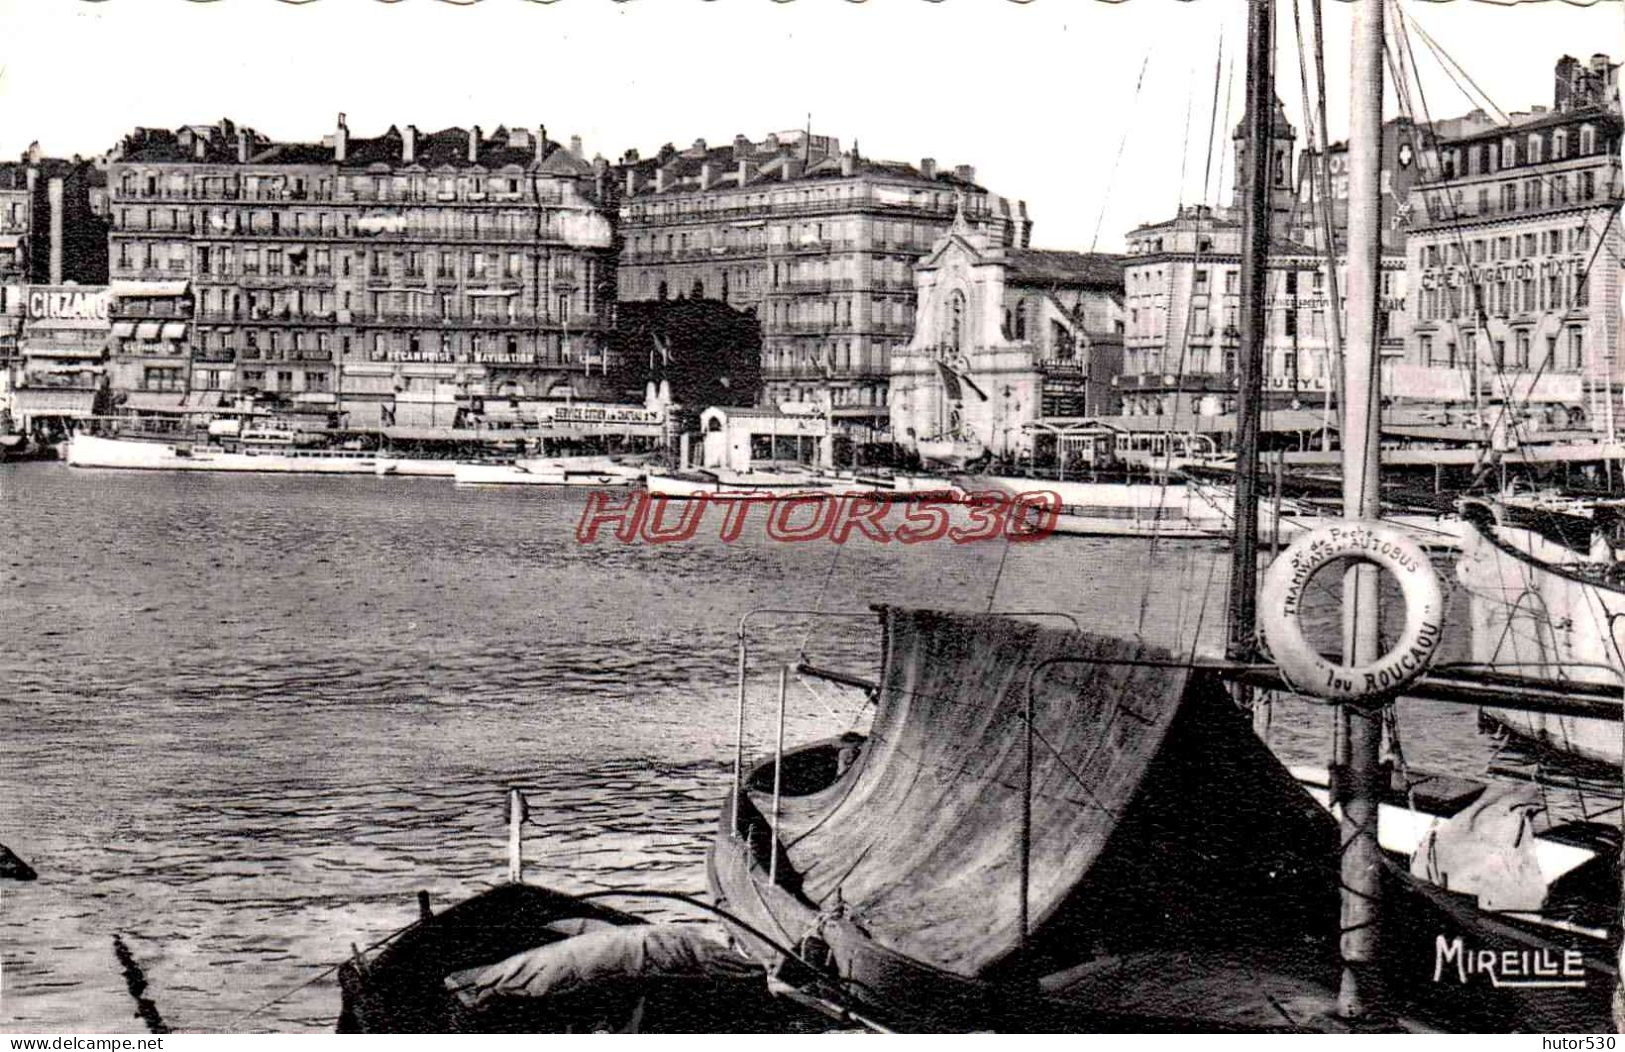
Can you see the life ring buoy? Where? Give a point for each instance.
(1281, 607)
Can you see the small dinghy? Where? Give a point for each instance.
(524, 959)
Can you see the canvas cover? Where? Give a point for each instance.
(919, 843)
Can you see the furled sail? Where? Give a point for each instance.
(1148, 788)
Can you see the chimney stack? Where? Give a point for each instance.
(928, 167)
(965, 173)
(33, 152)
(849, 163)
(741, 147)
(474, 144)
(53, 195)
(575, 147)
(541, 141)
(341, 140)
(660, 179)
(242, 146)
(631, 181)
(200, 147)
(708, 175)
(409, 144)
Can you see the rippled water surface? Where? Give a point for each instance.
(246, 719)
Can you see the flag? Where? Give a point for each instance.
(950, 383)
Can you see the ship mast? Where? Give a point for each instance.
(1360, 996)
(1257, 126)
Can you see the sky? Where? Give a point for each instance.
(1097, 115)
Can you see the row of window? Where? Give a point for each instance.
(839, 195)
(1562, 355)
(280, 186)
(1552, 291)
(1537, 147)
(275, 345)
(1508, 247)
(432, 223)
(1542, 192)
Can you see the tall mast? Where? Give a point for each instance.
(1257, 127)
(1361, 886)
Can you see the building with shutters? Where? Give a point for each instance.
(1514, 254)
(819, 241)
(386, 278)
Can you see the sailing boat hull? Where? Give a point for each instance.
(1535, 612)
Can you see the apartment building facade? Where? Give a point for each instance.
(1515, 256)
(1183, 318)
(363, 275)
(819, 241)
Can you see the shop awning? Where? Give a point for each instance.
(61, 370)
(10, 241)
(173, 330)
(66, 350)
(124, 329)
(493, 292)
(204, 400)
(147, 330)
(162, 401)
(148, 289)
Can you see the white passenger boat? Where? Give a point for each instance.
(538, 473)
(388, 465)
(1188, 509)
(1175, 509)
(1544, 609)
(143, 454)
(723, 484)
(892, 486)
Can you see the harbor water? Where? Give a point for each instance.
(246, 719)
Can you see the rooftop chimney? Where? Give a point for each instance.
(660, 179)
(409, 144)
(53, 197)
(474, 144)
(744, 172)
(242, 146)
(631, 181)
(575, 146)
(965, 173)
(708, 175)
(1599, 62)
(200, 147)
(741, 147)
(792, 168)
(928, 167)
(849, 163)
(541, 141)
(341, 140)
(33, 152)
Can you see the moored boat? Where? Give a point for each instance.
(537, 474)
(722, 484)
(170, 454)
(1543, 609)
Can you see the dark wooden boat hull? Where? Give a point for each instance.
(403, 989)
